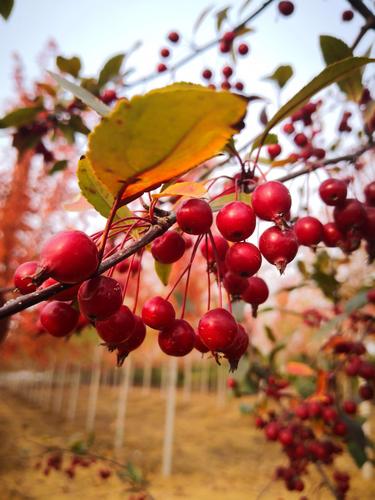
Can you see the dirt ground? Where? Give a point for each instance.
(217, 452)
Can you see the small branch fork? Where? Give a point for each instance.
(369, 16)
(163, 224)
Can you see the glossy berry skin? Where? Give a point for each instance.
(65, 295)
(333, 192)
(332, 236)
(286, 437)
(309, 231)
(207, 74)
(23, 277)
(278, 246)
(208, 252)
(59, 318)
(369, 192)
(165, 52)
(136, 338)
(243, 259)
(99, 297)
(286, 8)
(288, 128)
(168, 248)
(350, 407)
(178, 339)
(239, 86)
(108, 96)
(234, 284)
(118, 327)
(237, 348)
(194, 216)
(173, 36)
(161, 68)
(158, 313)
(350, 215)
(273, 150)
(227, 71)
(217, 329)
(272, 431)
(199, 346)
(256, 292)
(271, 200)
(69, 257)
(347, 15)
(366, 392)
(243, 49)
(236, 221)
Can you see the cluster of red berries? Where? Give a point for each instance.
(54, 461)
(165, 52)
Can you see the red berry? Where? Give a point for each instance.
(366, 391)
(208, 252)
(350, 407)
(59, 318)
(319, 153)
(351, 214)
(329, 414)
(104, 473)
(199, 346)
(168, 248)
(70, 257)
(173, 36)
(278, 246)
(286, 8)
(288, 128)
(332, 236)
(302, 411)
(178, 339)
(271, 200)
(239, 86)
(226, 85)
(370, 194)
(228, 37)
(118, 327)
(272, 431)
(161, 67)
(368, 229)
(309, 231)
(340, 428)
(256, 291)
(347, 15)
(234, 284)
(194, 216)
(273, 150)
(165, 52)
(99, 297)
(227, 71)
(237, 348)
(207, 74)
(367, 370)
(65, 295)
(108, 96)
(315, 409)
(23, 277)
(232, 383)
(243, 259)
(243, 49)
(286, 437)
(333, 192)
(236, 221)
(136, 338)
(158, 313)
(300, 140)
(371, 296)
(224, 47)
(217, 329)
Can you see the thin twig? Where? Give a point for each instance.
(326, 481)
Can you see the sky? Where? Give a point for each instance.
(95, 30)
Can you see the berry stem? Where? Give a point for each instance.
(217, 268)
(195, 248)
(138, 282)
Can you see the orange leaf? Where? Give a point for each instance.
(192, 189)
(300, 369)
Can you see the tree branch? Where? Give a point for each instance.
(360, 7)
(25, 301)
(199, 50)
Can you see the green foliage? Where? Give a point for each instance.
(281, 75)
(324, 275)
(333, 50)
(6, 7)
(20, 117)
(221, 16)
(71, 65)
(58, 167)
(260, 141)
(269, 332)
(111, 69)
(163, 271)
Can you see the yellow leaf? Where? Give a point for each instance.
(300, 369)
(153, 138)
(192, 189)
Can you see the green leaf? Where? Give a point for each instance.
(19, 117)
(270, 334)
(281, 75)
(221, 16)
(218, 203)
(95, 192)
(356, 302)
(58, 166)
(331, 74)
(78, 447)
(135, 474)
(77, 125)
(82, 94)
(71, 65)
(6, 7)
(202, 16)
(272, 355)
(270, 139)
(302, 269)
(163, 271)
(111, 69)
(357, 453)
(333, 50)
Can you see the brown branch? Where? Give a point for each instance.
(199, 50)
(19, 304)
(360, 7)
